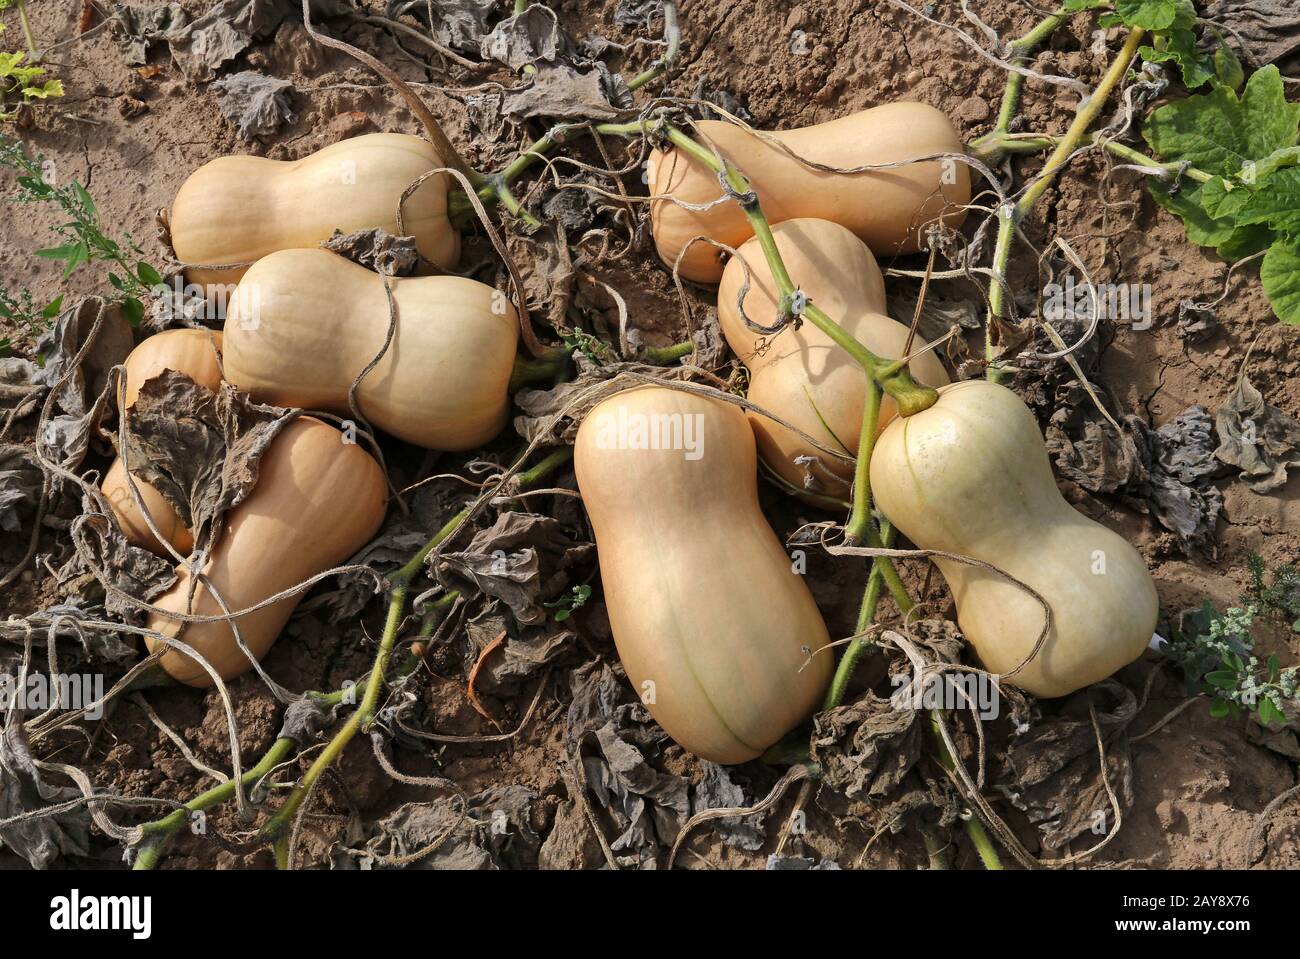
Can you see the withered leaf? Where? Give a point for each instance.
(522, 655)
(377, 250)
(533, 36)
(74, 646)
(41, 842)
(1270, 28)
(257, 104)
(1053, 773)
(460, 24)
(199, 449)
(1257, 438)
(521, 559)
(1167, 471)
(82, 396)
(495, 832)
(561, 92)
(136, 572)
(203, 46)
(21, 479)
(717, 789)
(614, 739)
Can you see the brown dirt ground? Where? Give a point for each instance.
(1199, 784)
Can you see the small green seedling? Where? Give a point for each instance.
(570, 601)
(83, 236)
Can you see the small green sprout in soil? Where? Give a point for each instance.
(566, 605)
(84, 238)
(1277, 593)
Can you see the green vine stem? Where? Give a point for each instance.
(848, 662)
(892, 377)
(27, 30)
(661, 355)
(278, 827)
(860, 643)
(979, 836)
(1009, 219)
(159, 833)
(859, 525)
(1038, 142)
(673, 45)
(1020, 51)
(543, 368)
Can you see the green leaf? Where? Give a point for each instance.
(1227, 67)
(87, 203)
(116, 282)
(1219, 708)
(1218, 132)
(1078, 6)
(148, 275)
(1180, 48)
(1275, 203)
(1222, 198)
(1271, 122)
(9, 62)
(1157, 14)
(133, 310)
(72, 255)
(1269, 713)
(50, 88)
(1257, 170)
(1202, 228)
(52, 308)
(1222, 678)
(1280, 273)
(1245, 241)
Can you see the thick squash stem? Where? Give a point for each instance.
(1010, 217)
(1020, 51)
(859, 525)
(546, 367)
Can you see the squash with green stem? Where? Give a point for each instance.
(800, 374)
(971, 476)
(890, 208)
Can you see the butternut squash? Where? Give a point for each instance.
(304, 323)
(237, 209)
(713, 626)
(801, 375)
(196, 354)
(971, 476)
(318, 500)
(889, 208)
